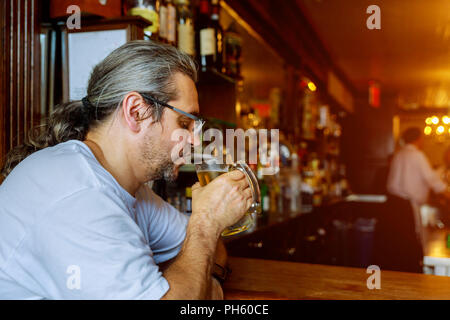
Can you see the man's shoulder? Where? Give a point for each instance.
(58, 170)
(147, 200)
(408, 151)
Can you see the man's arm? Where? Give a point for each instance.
(220, 257)
(214, 207)
(216, 292)
(189, 276)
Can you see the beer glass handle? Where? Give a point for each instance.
(254, 186)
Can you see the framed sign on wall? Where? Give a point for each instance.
(84, 48)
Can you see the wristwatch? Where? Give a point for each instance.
(220, 273)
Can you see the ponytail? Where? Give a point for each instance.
(68, 121)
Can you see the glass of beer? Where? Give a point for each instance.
(211, 168)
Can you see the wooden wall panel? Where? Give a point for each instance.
(20, 71)
(3, 48)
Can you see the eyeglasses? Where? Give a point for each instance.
(198, 122)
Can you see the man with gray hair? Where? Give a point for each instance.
(77, 219)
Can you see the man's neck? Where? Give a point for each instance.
(114, 161)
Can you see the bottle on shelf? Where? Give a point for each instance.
(308, 186)
(163, 21)
(318, 190)
(188, 204)
(147, 9)
(176, 200)
(264, 189)
(295, 204)
(171, 23)
(218, 35)
(318, 196)
(210, 36)
(185, 28)
(274, 192)
(232, 52)
(280, 196)
(205, 36)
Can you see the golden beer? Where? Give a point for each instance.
(206, 176)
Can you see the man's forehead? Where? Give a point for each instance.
(187, 96)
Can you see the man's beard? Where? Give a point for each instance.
(159, 164)
(167, 171)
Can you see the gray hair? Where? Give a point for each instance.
(140, 66)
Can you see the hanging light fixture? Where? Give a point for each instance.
(438, 126)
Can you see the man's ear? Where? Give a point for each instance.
(134, 108)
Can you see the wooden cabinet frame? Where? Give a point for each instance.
(19, 71)
(133, 25)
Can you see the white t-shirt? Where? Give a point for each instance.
(68, 230)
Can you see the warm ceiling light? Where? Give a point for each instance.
(440, 130)
(435, 120)
(427, 130)
(428, 121)
(445, 119)
(312, 86)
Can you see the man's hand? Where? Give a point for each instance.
(223, 201)
(214, 207)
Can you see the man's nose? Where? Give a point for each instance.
(194, 139)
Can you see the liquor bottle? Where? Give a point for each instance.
(232, 51)
(218, 35)
(185, 28)
(163, 21)
(188, 201)
(265, 200)
(177, 201)
(147, 9)
(171, 25)
(318, 195)
(273, 194)
(295, 187)
(206, 37)
(264, 189)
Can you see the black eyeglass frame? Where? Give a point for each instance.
(190, 116)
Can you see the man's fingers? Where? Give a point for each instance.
(249, 203)
(248, 194)
(236, 175)
(234, 178)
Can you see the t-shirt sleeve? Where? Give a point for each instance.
(165, 226)
(88, 247)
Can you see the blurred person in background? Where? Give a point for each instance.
(443, 203)
(411, 176)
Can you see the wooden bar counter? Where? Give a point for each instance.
(255, 279)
